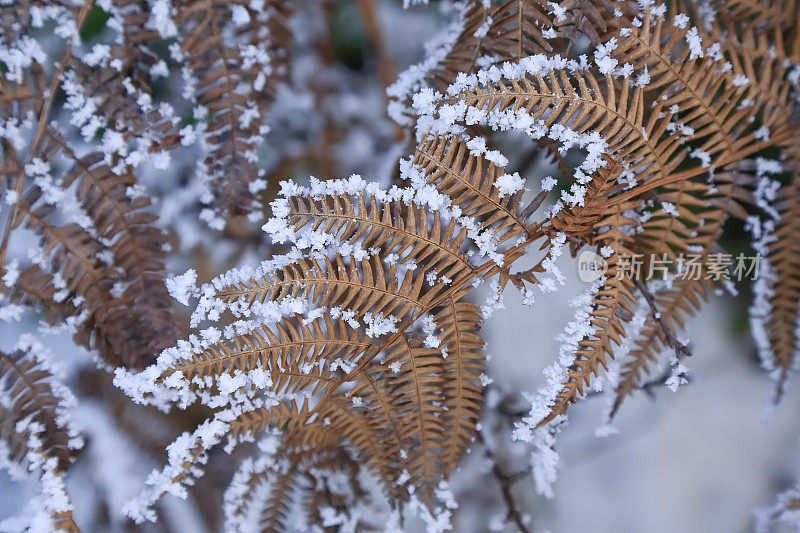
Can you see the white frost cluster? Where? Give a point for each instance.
(545, 397)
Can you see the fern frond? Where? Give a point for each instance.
(581, 221)
(459, 323)
(333, 492)
(70, 249)
(28, 386)
(759, 13)
(782, 265)
(324, 479)
(275, 514)
(138, 246)
(36, 430)
(584, 103)
(766, 49)
(73, 253)
(710, 106)
(132, 257)
(503, 32)
(363, 432)
(613, 297)
(292, 354)
(264, 491)
(285, 415)
(470, 181)
(717, 107)
(389, 226)
(359, 346)
(406, 399)
(592, 18)
(361, 287)
(36, 288)
(683, 299)
(234, 117)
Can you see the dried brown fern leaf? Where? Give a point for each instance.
(35, 429)
(503, 32)
(512, 30)
(36, 288)
(415, 410)
(234, 118)
(481, 211)
(764, 54)
(709, 106)
(417, 391)
(759, 14)
(121, 84)
(777, 39)
(714, 106)
(363, 430)
(595, 19)
(682, 299)
(130, 274)
(332, 484)
(597, 221)
(613, 298)
(358, 286)
(290, 352)
(396, 404)
(382, 426)
(372, 293)
(774, 56)
(469, 181)
(125, 108)
(19, 18)
(283, 415)
(685, 238)
(389, 226)
(463, 394)
(684, 221)
(73, 254)
(466, 365)
(399, 402)
(696, 225)
(324, 479)
(583, 103)
(275, 514)
(580, 221)
(27, 383)
(411, 389)
(778, 315)
(301, 448)
(70, 249)
(121, 218)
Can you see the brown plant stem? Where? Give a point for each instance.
(505, 481)
(680, 348)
